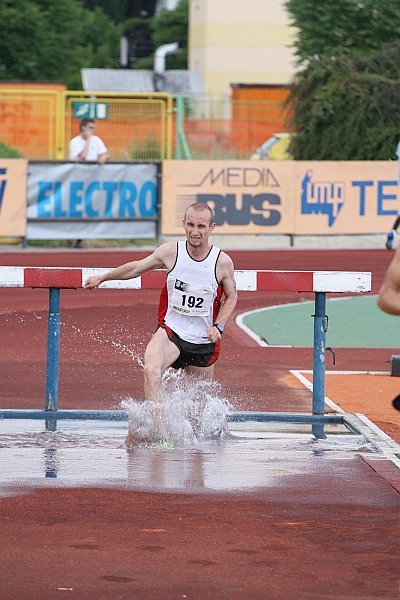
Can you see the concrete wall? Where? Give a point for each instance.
(240, 42)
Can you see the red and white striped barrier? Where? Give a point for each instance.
(287, 281)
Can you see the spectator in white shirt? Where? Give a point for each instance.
(86, 147)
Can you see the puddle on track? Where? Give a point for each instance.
(89, 454)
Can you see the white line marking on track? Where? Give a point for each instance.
(388, 447)
(308, 384)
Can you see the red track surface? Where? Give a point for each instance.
(317, 538)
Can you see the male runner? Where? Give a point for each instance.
(191, 316)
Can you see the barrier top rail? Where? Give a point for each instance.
(319, 282)
(288, 281)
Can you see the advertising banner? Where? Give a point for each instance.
(246, 196)
(92, 201)
(13, 176)
(284, 197)
(346, 197)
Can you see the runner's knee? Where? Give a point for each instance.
(152, 373)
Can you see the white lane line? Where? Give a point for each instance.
(309, 386)
(388, 447)
(261, 341)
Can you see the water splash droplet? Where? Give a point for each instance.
(194, 409)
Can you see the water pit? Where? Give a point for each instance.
(248, 454)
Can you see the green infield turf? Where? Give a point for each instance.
(352, 322)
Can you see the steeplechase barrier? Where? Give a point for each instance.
(57, 278)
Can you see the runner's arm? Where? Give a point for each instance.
(227, 280)
(389, 294)
(159, 259)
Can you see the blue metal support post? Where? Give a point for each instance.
(53, 350)
(320, 329)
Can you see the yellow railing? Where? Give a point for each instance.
(39, 124)
(140, 126)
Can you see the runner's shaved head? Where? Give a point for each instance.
(199, 207)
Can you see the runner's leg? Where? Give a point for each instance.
(198, 373)
(160, 354)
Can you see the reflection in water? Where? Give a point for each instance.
(51, 424)
(50, 462)
(206, 456)
(150, 468)
(238, 462)
(241, 461)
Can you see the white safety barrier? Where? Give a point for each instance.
(319, 282)
(286, 281)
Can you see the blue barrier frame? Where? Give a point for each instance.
(319, 352)
(317, 422)
(53, 350)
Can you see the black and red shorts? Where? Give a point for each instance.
(195, 355)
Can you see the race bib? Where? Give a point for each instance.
(191, 300)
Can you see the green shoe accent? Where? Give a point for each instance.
(164, 442)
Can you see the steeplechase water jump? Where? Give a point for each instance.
(182, 405)
(292, 469)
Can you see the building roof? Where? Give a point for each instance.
(131, 80)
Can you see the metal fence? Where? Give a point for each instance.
(39, 124)
(221, 128)
(133, 127)
(29, 122)
(141, 126)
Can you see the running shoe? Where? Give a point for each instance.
(164, 442)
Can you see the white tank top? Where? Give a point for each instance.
(194, 295)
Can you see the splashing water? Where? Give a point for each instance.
(117, 345)
(194, 411)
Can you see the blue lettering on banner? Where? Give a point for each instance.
(45, 189)
(382, 197)
(127, 197)
(3, 184)
(328, 197)
(366, 188)
(96, 200)
(148, 199)
(363, 185)
(75, 201)
(91, 188)
(322, 197)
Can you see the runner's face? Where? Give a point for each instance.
(197, 227)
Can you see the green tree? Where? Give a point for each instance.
(117, 10)
(169, 26)
(347, 106)
(324, 27)
(344, 102)
(53, 40)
